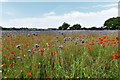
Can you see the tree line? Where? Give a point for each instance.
(110, 24)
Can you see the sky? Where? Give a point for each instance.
(54, 14)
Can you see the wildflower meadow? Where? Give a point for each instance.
(60, 54)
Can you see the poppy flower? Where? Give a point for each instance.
(113, 56)
(58, 60)
(33, 48)
(29, 74)
(7, 48)
(117, 55)
(41, 52)
(12, 58)
(27, 44)
(47, 77)
(11, 65)
(12, 45)
(11, 52)
(104, 37)
(38, 49)
(55, 53)
(81, 45)
(4, 56)
(33, 52)
(117, 51)
(89, 48)
(100, 42)
(117, 37)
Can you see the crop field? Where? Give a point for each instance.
(60, 54)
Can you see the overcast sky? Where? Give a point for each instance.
(53, 14)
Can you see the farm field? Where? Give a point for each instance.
(60, 54)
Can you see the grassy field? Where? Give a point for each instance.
(60, 55)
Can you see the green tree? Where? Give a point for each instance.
(75, 27)
(112, 23)
(64, 26)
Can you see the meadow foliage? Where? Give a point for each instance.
(60, 55)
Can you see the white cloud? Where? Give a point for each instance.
(111, 5)
(50, 13)
(3, 0)
(85, 19)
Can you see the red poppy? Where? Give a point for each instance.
(11, 52)
(47, 77)
(105, 40)
(81, 45)
(58, 60)
(100, 42)
(12, 45)
(55, 53)
(87, 45)
(104, 37)
(4, 56)
(27, 44)
(117, 37)
(10, 64)
(113, 56)
(33, 48)
(38, 48)
(29, 74)
(117, 51)
(41, 52)
(117, 55)
(7, 48)
(33, 52)
(12, 58)
(89, 48)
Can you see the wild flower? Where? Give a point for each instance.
(18, 46)
(28, 35)
(113, 56)
(37, 45)
(89, 48)
(11, 64)
(61, 46)
(12, 52)
(54, 53)
(82, 41)
(41, 52)
(29, 51)
(18, 57)
(29, 74)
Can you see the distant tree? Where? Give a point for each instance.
(84, 28)
(64, 26)
(60, 28)
(112, 23)
(93, 28)
(75, 27)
